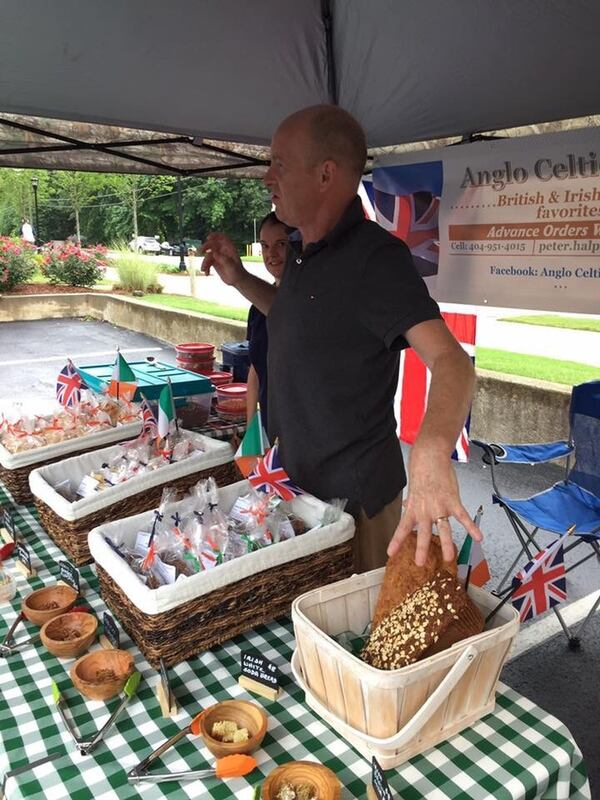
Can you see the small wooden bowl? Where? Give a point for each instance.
(43, 605)
(322, 780)
(85, 677)
(245, 715)
(58, 635)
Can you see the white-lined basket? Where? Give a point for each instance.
(60, 450)
(42, 481)
(394, 714)
(155, 601)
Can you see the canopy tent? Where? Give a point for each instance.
(214, 72)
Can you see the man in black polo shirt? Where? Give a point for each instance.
(346, 306)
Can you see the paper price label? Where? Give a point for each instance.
(69, 574)
(166, 571)
(110, 630)
(239, 512)
(87, 486)
(379, 782)
(260, 669)
(142, 542)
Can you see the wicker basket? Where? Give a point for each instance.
(397, 714)
(15, 468)
(177, 622)
(68, 524)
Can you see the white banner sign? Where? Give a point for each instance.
(511, 222)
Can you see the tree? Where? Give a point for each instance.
(16, 197)
(135, 190)
(78, 189)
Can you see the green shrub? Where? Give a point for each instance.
(17, 262)
(136, 274)
(70, 264)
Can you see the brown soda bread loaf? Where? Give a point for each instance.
(436, 616)
(403, 577)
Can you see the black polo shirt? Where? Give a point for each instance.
(336, 327)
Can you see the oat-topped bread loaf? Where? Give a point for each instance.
(402, 576)
(436, 616)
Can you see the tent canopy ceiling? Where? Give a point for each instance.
(209, 72)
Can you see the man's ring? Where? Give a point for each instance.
(440, 519)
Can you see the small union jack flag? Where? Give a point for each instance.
(69, 384)
(149, 424)
(269, 476)
(541, 584)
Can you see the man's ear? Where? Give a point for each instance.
(328, 173)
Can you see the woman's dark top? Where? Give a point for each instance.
(258, 341)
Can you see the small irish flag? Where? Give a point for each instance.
(253, 445)
(165, 412)
(471, 558)
(123, 382)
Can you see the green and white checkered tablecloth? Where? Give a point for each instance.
(519, 751)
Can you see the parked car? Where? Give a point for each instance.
(172, 248)
(144, 244)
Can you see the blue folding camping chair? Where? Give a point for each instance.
(574, 501)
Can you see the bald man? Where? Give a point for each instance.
(346, 306)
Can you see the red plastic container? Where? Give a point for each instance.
(220, 378)
(196, 357)
(231, 399)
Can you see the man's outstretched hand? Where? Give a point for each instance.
(433, 498)
(221, 253)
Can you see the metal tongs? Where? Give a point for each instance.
(9, 646)
(137, 773)
(85, 746)
(234, 766)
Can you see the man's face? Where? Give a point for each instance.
(274, 246)
(292, 179)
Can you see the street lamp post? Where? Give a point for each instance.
(34, 185)
(182, 266)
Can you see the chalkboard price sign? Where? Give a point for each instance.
(24, 556)
(110, 630)
(260, 669)
(379, 782)
(69, 574)
(8, 522)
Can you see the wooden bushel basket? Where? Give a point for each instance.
(398, 714)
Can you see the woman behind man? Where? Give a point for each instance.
(274, 241)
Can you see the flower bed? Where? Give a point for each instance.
(72, 265)
(17, 262)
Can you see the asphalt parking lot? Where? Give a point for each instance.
(565, 682)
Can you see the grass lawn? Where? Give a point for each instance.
(553, 321)
(537, 367)
(199, 306)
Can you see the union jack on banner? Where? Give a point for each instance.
(149, 424)
(541, 584)
(269, 476)
(69, 384)
(407, 204)
(367, 197)
(413, 385)
(414, 219)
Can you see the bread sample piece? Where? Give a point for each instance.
(403, 577)
(436, 616)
